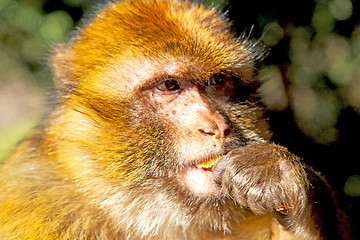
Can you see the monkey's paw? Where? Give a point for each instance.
(266, 179)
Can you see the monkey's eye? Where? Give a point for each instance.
(170, 85)
(219, 79)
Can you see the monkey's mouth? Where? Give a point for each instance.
(208, 164)
(199, 179)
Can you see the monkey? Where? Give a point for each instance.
(158, 132)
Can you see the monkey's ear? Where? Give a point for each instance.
(62, 72)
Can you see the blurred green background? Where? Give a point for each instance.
(311, 75)
(28, 28)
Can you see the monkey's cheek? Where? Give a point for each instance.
(199, 181)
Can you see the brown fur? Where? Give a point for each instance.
(107, 162)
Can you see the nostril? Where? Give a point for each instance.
(227, 131)
(207, 133)
(215, 132)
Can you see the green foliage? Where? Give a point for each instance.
(26, 32)
(352, 186)
(323, 75)
(10, 136)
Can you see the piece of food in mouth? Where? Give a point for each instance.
(209, 163)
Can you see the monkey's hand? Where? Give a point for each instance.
(266, 179)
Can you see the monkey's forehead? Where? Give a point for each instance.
(157, 29)
(137, 74)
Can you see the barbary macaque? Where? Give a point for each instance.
(158, 133)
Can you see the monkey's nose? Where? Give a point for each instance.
(217, 129)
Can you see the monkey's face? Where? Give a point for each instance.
(205, 117)
(201, 131)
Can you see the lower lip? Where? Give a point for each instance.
(199, 180)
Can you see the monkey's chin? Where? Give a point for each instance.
(199, 181)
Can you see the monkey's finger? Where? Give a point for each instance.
(219, 169)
